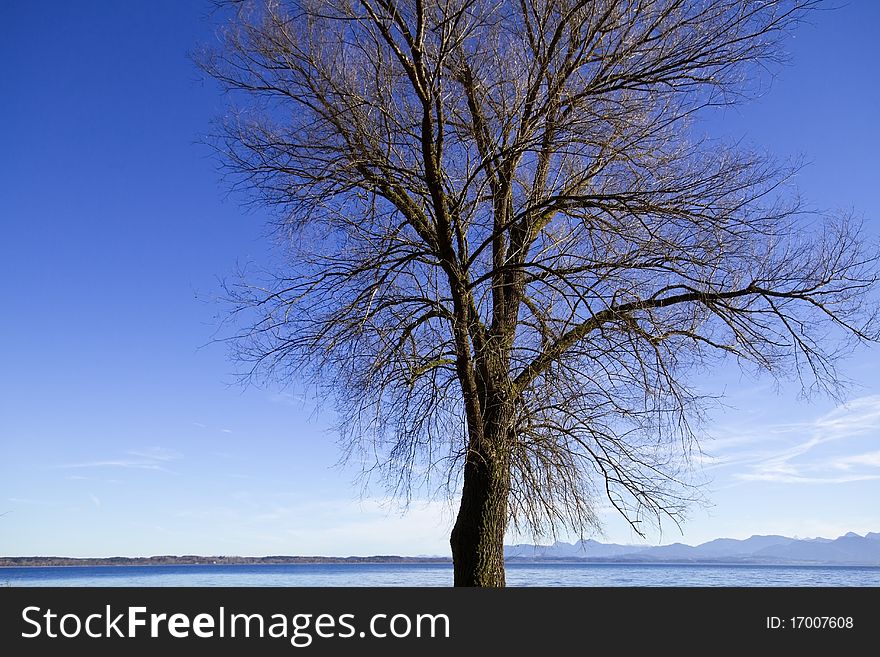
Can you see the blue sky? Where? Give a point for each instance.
(122, 431)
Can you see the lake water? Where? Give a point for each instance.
(600, 575)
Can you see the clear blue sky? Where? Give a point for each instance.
(121, 434)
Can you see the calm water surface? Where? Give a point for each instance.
(441, 575)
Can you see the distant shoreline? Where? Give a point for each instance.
(193, 560)
(851, 549)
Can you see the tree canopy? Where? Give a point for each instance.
(510, 247)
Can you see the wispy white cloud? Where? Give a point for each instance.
(95, 500)
(853, 418)
(116, 463)
(157, 454)
(794, 478)
(868, 459)
(152, 458)
(297, 525)
(27, 500)
(288, 399)
(812, 452)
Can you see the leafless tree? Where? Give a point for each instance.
(509, 247)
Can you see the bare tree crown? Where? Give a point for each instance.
(500, 210)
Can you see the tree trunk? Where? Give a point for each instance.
(478, 535)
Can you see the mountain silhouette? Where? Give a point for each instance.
(849, 549)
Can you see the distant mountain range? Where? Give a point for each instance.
(849, 549)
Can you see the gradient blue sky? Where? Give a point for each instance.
(122, 434)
